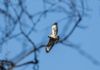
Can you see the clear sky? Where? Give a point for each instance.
(61, 57)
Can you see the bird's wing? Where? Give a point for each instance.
(49, 45)
(54, 30)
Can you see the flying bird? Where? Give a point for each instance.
(53, 37)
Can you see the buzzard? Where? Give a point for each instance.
(53, 37)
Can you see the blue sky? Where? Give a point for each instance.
(61, 57)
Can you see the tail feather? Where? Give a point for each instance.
(49, 46)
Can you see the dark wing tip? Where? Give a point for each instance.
(55, 23)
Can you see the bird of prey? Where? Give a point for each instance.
(53, 37)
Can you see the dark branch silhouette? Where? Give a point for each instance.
(15, 26)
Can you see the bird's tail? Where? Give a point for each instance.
(49, 46)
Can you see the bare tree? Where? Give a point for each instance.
(22, 23)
